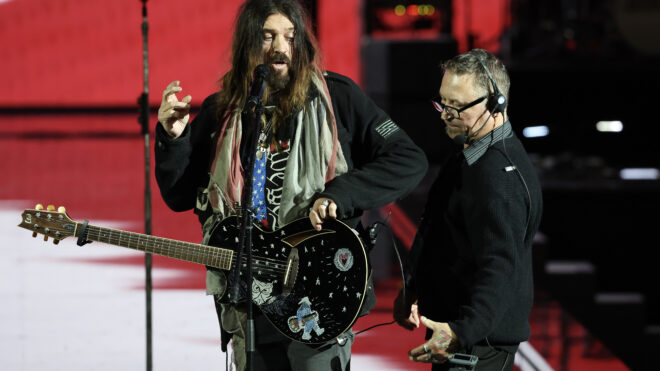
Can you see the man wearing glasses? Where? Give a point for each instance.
(470, 279)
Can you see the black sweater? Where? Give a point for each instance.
(472, 258)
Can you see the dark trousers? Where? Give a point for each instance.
(490, 359)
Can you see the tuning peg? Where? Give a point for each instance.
(56, 242)
(45, 237)
(39, 207)
(61, 209)
(50, 208)
(34, 234)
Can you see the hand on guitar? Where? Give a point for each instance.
(322, 209)
(172, 113)
(405, 311)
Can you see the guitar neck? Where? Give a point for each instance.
(186, 251)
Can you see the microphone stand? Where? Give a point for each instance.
(245, 239)
(143, 102)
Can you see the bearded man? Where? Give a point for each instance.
(325, 151)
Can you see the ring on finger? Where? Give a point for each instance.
(430, 356)
(426, 349)
(325, 202)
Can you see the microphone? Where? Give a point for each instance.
(460, 139)
(259, 77)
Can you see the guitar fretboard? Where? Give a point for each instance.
(186, 251)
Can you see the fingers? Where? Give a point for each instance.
(419, 350)
(170, 100)
(427, 354)
(406, 324)
(405, 315)
(315, 219)
(332, 210)
(322, 209)
(178, 109)
(172, 113)
(420, 354)
(172, 88)
(414, 316)
(327, 208)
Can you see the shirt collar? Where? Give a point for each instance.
(475, 150)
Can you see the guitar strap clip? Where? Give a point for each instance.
(82, 237)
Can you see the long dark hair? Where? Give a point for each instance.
(247, 53)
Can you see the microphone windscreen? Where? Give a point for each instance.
(460, 139)
(262, 71)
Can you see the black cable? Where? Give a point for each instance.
(529, 196)
(372, 236)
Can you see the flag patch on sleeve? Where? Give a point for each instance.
(387, 128)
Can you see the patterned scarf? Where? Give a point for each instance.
(315, 158)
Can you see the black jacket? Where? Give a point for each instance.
(384, 164)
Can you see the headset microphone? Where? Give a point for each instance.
(460, 139)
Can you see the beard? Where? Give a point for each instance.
(278, 79)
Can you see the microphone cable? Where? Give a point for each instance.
(371, 230)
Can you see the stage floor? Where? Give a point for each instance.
(67, 307)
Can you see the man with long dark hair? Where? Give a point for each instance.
(325, 150)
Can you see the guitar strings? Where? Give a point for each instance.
(195, 251)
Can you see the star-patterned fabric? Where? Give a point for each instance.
(258, 189)
(268, 178)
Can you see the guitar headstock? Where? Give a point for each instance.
(49, 223)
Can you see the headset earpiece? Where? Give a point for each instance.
(496, 100)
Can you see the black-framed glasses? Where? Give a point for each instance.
(453, 112)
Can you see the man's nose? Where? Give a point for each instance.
(279, 44)
(445, 115)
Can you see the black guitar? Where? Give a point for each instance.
(310, 285)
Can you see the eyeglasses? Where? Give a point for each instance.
(453, 112)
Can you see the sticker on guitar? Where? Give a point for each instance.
(343, 259)
(305, 319)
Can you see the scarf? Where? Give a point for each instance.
(315, 159)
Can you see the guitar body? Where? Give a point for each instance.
(310, 285)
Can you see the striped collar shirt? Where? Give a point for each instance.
(475, 150)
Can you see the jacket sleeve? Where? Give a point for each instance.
(384, 163)
(182, 163)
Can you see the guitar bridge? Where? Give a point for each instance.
(291, 271)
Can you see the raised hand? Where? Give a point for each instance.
(172, 113)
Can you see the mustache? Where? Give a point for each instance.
(278, 57)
